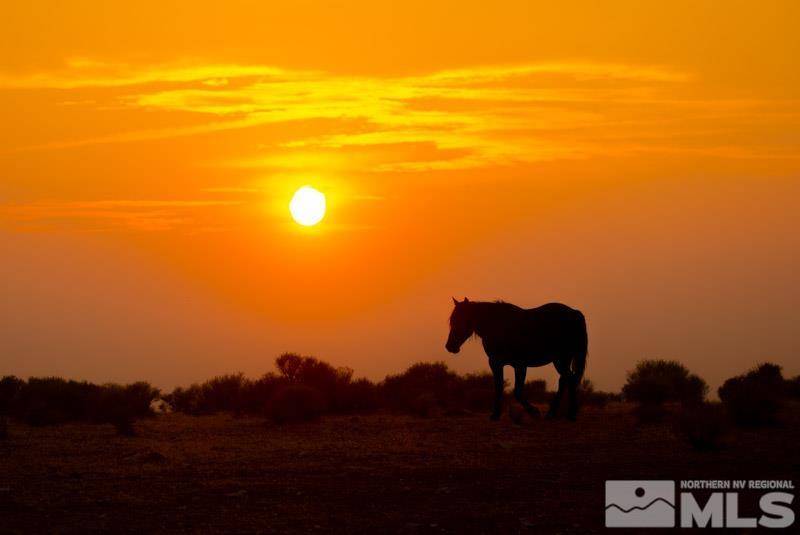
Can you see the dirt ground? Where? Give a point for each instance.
(374, 473)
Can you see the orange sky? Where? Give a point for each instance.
(639, 161)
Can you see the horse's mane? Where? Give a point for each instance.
(504, 305)
(481, 307)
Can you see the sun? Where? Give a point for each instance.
(307, 206)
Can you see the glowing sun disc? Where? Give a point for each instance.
(307, 206)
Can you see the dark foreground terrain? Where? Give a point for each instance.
(379, 473)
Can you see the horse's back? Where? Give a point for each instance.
(558, 326)
(555, 312)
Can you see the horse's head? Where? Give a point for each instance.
(461, 325)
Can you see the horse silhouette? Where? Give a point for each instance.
(518, 337)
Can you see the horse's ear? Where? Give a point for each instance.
(466, 300)
(455, 302)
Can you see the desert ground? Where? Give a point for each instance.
(371, 473)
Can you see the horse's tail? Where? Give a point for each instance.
(582, 347)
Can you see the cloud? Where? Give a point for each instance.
(141, 215)
(472, 117)
(452, 109)
(86, 73)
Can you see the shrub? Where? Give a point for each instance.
(312, 372)
(53, 400)
(654, 382)
(703, 425)
(360, 395)
(223, 393)
(10, 387)
(403, 391)
(289, 365)
(9, 390)
(186, 400)
(424, 405)
(536, 391)
(793, 387)
(650, 413)
(755, 398)
(120, 405)
(471, 392)
(235, 393)
(478, 399)
(294, 404)
(597, 398)
(420, 390)
(256, 394)
(335, 385)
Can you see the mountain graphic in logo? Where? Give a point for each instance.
(640, 504)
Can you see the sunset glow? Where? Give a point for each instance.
(633, 159)
(404, 266)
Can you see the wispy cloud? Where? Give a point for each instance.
(86, 73)
(461, 109)
(470, 118)
(142, 215)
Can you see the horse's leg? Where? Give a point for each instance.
(563, 372)
(552, 412)
(519, 390)
(497, 374)
(572, 408)
(569, 380)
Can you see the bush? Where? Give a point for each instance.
(793, 387)
(590, 396)
(223, 393)
(256, 394)
(234, 393)
(9, 390)
(424, 406)
(230, 393)
(294, 404)
(53, 400)
(10, 387)
(186, 400)
(654, 382)
(478, 399)
(703, 425)
(421, 389)
(536, 391)
(339, 391)
(360, 395)
(649, 413)
(122, 405)
(433, 382)
(471, 392)
(426, 387)
(755, 398)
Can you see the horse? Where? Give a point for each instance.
(522, 338)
